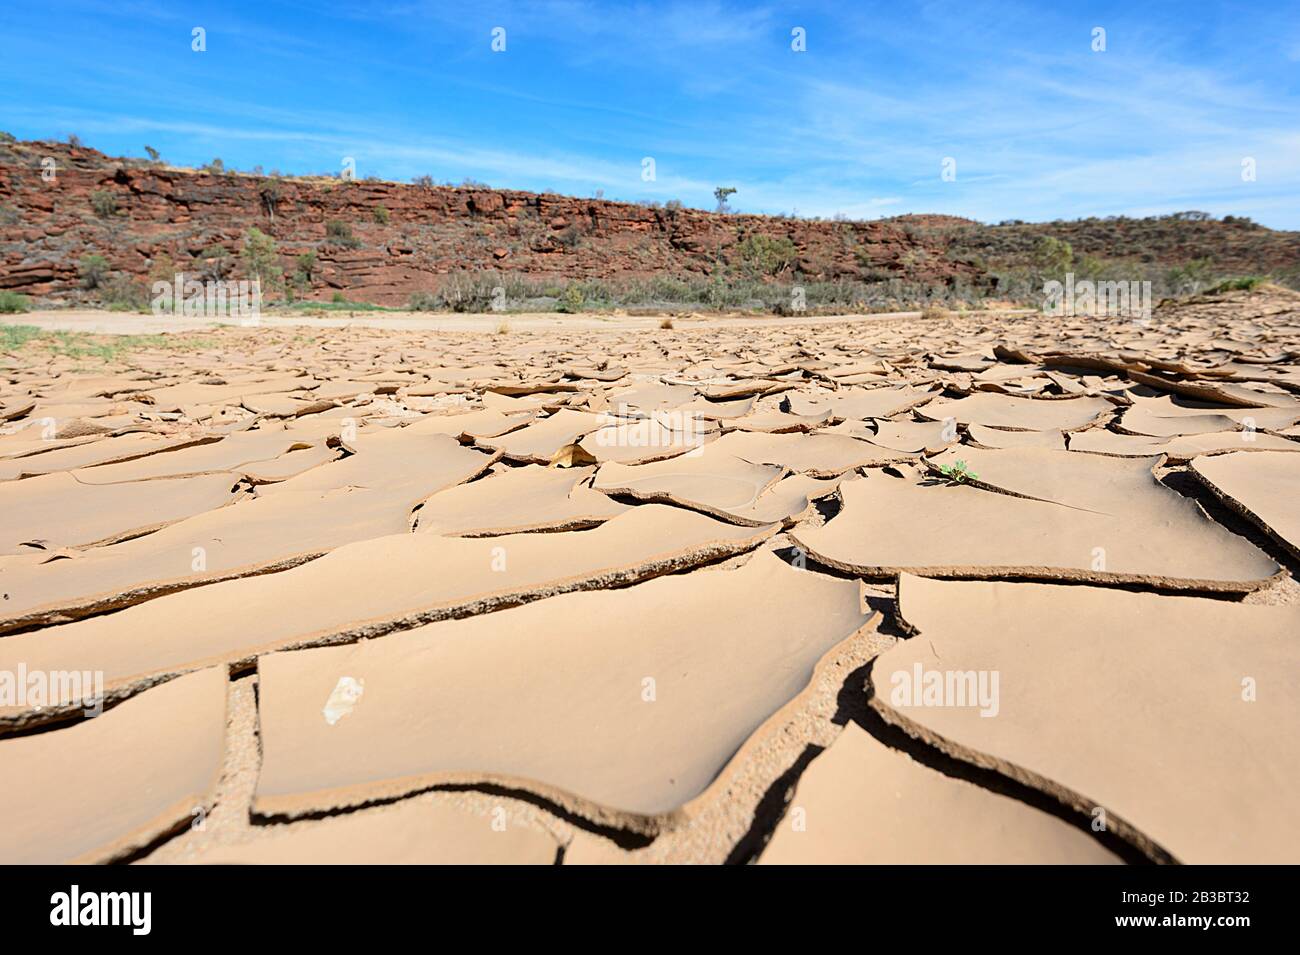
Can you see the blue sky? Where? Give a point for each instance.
(1040, 126)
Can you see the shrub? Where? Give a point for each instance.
(1052, 255)
(12, 303)
(122, 293)
(467, 293)
(306, 269)
(152, 153)
(215, 168)
(340, 233)
(651, 295)
(1190, 277)
(269, 190)
(722, 193)
(338, 298)
(765, 255)
(92, 269)
(1246, 283)
(572, 300)
(570, 238)
(104, 203)
(666, 324)
(164, 269)
(215, 263)
(381, 215)
(259, 254)
(425, 182)
(7, 137)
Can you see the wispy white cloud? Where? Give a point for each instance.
(1039, 125)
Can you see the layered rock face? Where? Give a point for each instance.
(60, 203)
(160, 216)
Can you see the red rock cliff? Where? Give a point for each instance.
(160, 214)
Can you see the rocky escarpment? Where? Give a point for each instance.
(147, 218)
(381, 241)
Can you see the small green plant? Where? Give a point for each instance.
(104, 347)
(152, 153)
(16, 336)
(12, 303)
(104, 203)
(957, 472)
(1246, 283)
(338, 298)
(572, 300)
(722, 193)
(93, 269)
(381, 215)
(7, 137)
(214, 168)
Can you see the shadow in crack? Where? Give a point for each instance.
(623, 838)
(1188, 486)
(854, 699)
(771, 810)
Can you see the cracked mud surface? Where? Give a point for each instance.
(886, 590)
